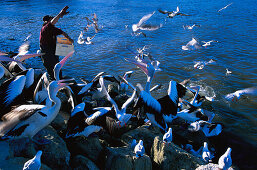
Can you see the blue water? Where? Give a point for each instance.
(234, 28)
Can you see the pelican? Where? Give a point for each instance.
(225, 161)
(208, 43)
(139, 149)
(191, 45)
(133, 144)
(34, 163)
(27, 120)
(225, 7)
(172, 14)
(78, 125)
(22, 55)
(190, 27)
(121, 114)
(206, 154)
(40, 92)
(237, 94)
(141, 26)
(151, 106)
(123, 86)
(2, 68)
(167, 137)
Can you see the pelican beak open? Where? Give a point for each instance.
(27, 56)
(2, 58)
(65, 82)
(62, 62)
(141, 65)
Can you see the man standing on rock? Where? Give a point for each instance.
(47, 40)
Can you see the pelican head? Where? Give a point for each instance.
(58, 66)
(54, 86)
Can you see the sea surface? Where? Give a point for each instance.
(234, 28)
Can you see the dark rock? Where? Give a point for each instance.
(23, 147)
(113, 90)
(124, 158)
(87, 146)
(170, 156)
(55, 154)
(142, 133)
(59, 123)
(80, 162)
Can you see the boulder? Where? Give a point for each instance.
(141, 133)
(4, 148)
(124, 158)
(17, 163)
(80, 162)
(59, 123)
(55, 154)
(113, 90)
(87, 146)
(23, 147)
(211, 166)
(170, 156)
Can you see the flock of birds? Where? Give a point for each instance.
(28, 103)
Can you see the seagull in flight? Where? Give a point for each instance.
(237, 94)
(190, 27)
(191, 45)
(141, 26)
(173, 13)
(82, 40)
(208, 43)
(225, 7)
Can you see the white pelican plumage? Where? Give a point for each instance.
(167, 137)
(225, 161)
(34, 163)
(27, 120)
(206, 154)
(139, 149)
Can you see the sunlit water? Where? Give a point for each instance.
(234, 28)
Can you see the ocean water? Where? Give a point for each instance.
(234, 28)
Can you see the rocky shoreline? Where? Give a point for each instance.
(107, 149)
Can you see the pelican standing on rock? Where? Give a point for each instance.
(139, 149)
(167, 137)
(27, 120)
(206, 154)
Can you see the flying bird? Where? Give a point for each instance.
(190, 27)
(191, 45)
(237, 94)
(225, 7)
(142, 26)
(173, 13)
(208, 43)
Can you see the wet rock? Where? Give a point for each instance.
(170, 156)
(87, 146)
(80, 162)
(55, 154)
(59, 123)
(4, 148)
(212, 166)
(141, 133)
(17, 163)
(23, 147)
(124, 158)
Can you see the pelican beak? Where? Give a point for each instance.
(62, 62)
(27, 56)
(2, 58)
(65, 82)
(141, 65)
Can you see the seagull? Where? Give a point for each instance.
(225, 7)
(206, 154)
(208, 43)
(172, 14)
(81, 39)
(34, 163)
(201, 64)
(209, 129)
(225, 160)
(191, 45)
(228, 72)
(237, 94)
(139, 149)
(167, 137)
(141, 26)
(190, 27)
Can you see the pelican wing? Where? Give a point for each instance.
(125, 105)
(144, 19)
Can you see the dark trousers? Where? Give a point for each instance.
(49, 60)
